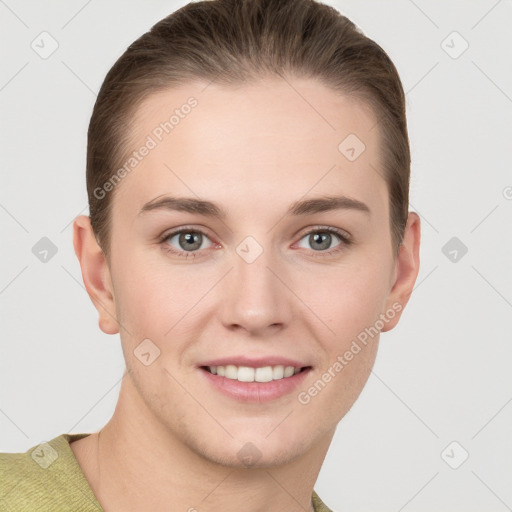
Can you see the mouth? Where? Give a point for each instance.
(255, 384)
(251, 374)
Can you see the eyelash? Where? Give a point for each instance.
(345, 241)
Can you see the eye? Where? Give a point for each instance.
(185, 242)
(321, 239)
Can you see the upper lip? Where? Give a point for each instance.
(254, 362)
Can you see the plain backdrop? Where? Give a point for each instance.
(431, 429)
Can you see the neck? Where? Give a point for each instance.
(138, 464)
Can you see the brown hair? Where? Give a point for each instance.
(234, 42)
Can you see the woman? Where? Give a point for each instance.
(249, 238)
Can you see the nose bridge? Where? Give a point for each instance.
(256, 297)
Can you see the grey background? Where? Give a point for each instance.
(442, 375)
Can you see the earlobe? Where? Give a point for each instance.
(95, 273)
(407, 268)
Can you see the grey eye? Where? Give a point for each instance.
(187, 240)
(320, 240)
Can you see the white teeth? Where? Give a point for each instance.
(248, 374)
(289, 371)
(263, 374)
(278, 372)
(245, 374)
(231, 372)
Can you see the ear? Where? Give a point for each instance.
(407, 266)
(95, 273)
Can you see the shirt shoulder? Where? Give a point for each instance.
(47, 477)
(318, 504)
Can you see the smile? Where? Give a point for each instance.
(255, 384)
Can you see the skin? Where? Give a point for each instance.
(173, 440)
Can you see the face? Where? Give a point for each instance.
(223, 299)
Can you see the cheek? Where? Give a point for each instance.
(352, 304)
(353, 300)
(151, 297)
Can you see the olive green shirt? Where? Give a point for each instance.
(47, 477)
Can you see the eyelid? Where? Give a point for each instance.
(176, 231)
(330, 229)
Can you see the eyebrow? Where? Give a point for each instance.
(211, 209)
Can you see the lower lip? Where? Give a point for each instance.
(256, 392)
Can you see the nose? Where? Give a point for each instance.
(255, 297)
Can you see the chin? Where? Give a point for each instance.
(252, 456)
(250, 450)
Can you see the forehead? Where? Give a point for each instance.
(272, 140)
